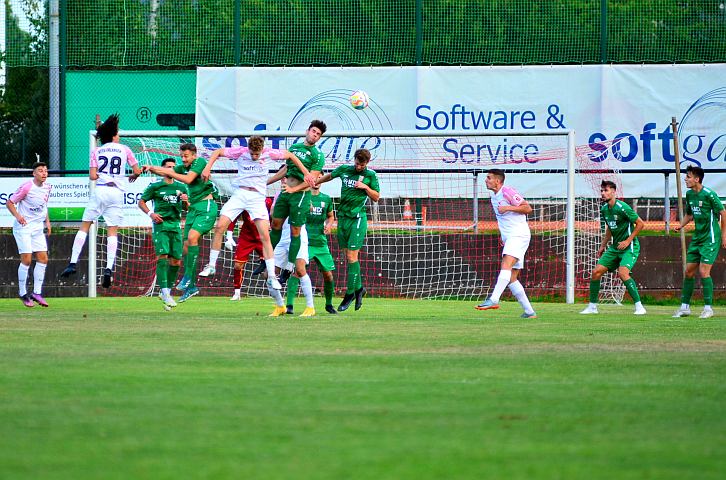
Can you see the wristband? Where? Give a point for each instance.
(150, 213)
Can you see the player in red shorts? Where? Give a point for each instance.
(247, 242)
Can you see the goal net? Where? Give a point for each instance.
(433, 233)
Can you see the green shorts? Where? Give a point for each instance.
(352, 231)
(168, 242)
(201, 217)
(322, 257)
(702, 252)
(293, 206)
(614, 258)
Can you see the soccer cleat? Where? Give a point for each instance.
(589, 310)
(308, 312)
(169, 300)
(277, 312)
(259, 268)
(235, 297)
(167, 307)
(188, 293)
(274, 283)
(487, 305)
(183, 283)
(706, 313)
(682, 312)
(359, 294)
(27, 301)
(528, 315)
(38, 298)
(208, 271)
(347, 300)
(640, 310)
(106, 282)
(68, 271)
(289, 310)
(331, 309)
(284, 276)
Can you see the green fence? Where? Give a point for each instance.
(186, 33)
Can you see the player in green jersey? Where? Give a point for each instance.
(294, 200)
(318, 226)
(705, 208)
(622, 225)
(169, 197)
(358, 184)
(202, 213)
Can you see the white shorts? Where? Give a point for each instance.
(282, 249)
(241, 200)
(30, 238)
(516, 247)
(106, 201)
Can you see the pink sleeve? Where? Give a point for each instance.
(274, 153)
(130, 157)
(93, 163)
(512, 196)
(21, 192)
(234, 152)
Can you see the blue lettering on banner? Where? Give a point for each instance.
(459, 118)
(488, 154)
(131, 198)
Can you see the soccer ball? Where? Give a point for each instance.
(359, 100)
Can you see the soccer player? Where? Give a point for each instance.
(300, 275)
(29, 206)
(169, 197)
(511, 210)
(319, 223)
(358, 184)
(247, 242)
(704, 207)
(295, 204)
(622, 226)
(202, 212)
(108, 168)
(250, 193)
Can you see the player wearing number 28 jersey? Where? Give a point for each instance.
(107, 167)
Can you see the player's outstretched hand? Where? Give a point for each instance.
(156, 218)
(310, 179)
(676, 227)
(623, 245)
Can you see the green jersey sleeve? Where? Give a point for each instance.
(338, 171)
(716, 202)
(629, 212)
(318, 162)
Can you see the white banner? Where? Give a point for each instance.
(630, 105)
(69, 197)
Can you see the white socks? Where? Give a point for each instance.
(213, 256)
(111, 247)
(502, 281)
(38, 277)
(23, 279)
(78, 244)
(270, 263)
(307, 288)
(276, 295)
(518, 291)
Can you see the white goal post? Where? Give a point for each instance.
(401, 152)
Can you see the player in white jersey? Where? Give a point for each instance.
(250, 193)
(511, 210)
(282, 251)
(29, 206)
(107, 167)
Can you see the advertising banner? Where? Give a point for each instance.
(621, 114)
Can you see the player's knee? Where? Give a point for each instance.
(239, 265)
(328, 276)
(624, 274)
(175, 262)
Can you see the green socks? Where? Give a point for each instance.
(632, 290)
(329, 289)
(190, 264)
(707, 284)
(292, 285)
(275, 236)
(294, 249)
(171, 275)
(162, 270)
(353, 277)
(688, 284)
(594, 290)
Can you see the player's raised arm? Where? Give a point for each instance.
(278, 176)
(207, 172)
(308, 175)
(325, 178)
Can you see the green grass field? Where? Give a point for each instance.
(119, 389)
